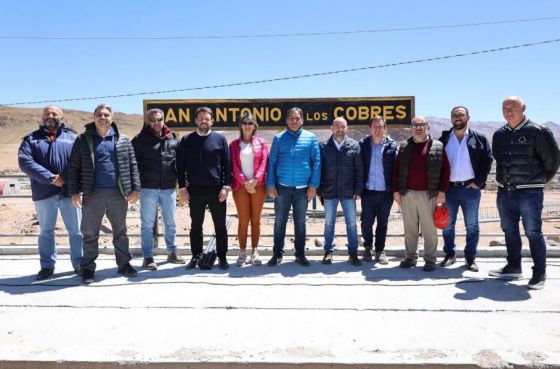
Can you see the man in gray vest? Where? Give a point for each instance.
(420, 179)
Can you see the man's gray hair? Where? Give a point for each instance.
(103, 106)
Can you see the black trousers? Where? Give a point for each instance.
(199, 197)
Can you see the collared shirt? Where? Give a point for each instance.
(459, 159)
(376, 178)
(201, 135)
(338, 145)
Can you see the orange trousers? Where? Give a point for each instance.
(249, 209)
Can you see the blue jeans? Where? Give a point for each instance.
(47, 211)
(297, 199)
(375, 204)
(526, 204)
(349, 210)
(149, 200)
(468, 199)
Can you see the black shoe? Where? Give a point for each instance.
(429, 266)
(537, 281)
(222, 263)
(327, 259)
(353, 259)
(79, 271)
(367, 255)
(128, 271)
(302, 260)
(44, 273)
(471, 265)
(87, 276)
(274, 260)
(407, 263)
(448, 260)
(193, 263)
(508, 272)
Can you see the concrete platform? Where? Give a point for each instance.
(277, 317)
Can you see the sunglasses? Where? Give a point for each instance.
(418, 125)
(247, 124)
(159, 120)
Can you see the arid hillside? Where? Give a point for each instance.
(16, 122)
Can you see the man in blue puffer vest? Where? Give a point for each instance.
(43, 155)
(294, 174)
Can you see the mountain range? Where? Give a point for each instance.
(16, 122)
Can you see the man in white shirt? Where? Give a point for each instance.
(470, 159)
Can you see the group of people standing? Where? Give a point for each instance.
(100, 171)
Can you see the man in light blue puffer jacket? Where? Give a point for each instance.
(294, 174)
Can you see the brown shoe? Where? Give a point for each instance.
(175, 259)
(149, 264)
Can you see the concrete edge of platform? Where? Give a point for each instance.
(263, 365)
(494, 252)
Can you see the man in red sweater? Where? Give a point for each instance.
(420, 179)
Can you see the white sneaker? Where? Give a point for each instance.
(241, 258)
(255, 258)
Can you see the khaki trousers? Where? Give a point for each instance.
(417, 213)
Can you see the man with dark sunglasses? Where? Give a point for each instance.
(155, 149)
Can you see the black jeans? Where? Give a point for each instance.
(199, 197)
(95, 206)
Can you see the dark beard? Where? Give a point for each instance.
(460, 126)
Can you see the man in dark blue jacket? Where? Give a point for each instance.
(342, 181)
(470, 159)
(378, 152)
(43, 155)
(527, 157)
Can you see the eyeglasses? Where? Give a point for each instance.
(157, 120)
(418, 125)
(247, 123)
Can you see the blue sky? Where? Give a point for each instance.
(34, 70)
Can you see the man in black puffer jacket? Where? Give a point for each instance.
(342, 181)
(155, 148)
(527, 156)
(103, 167)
